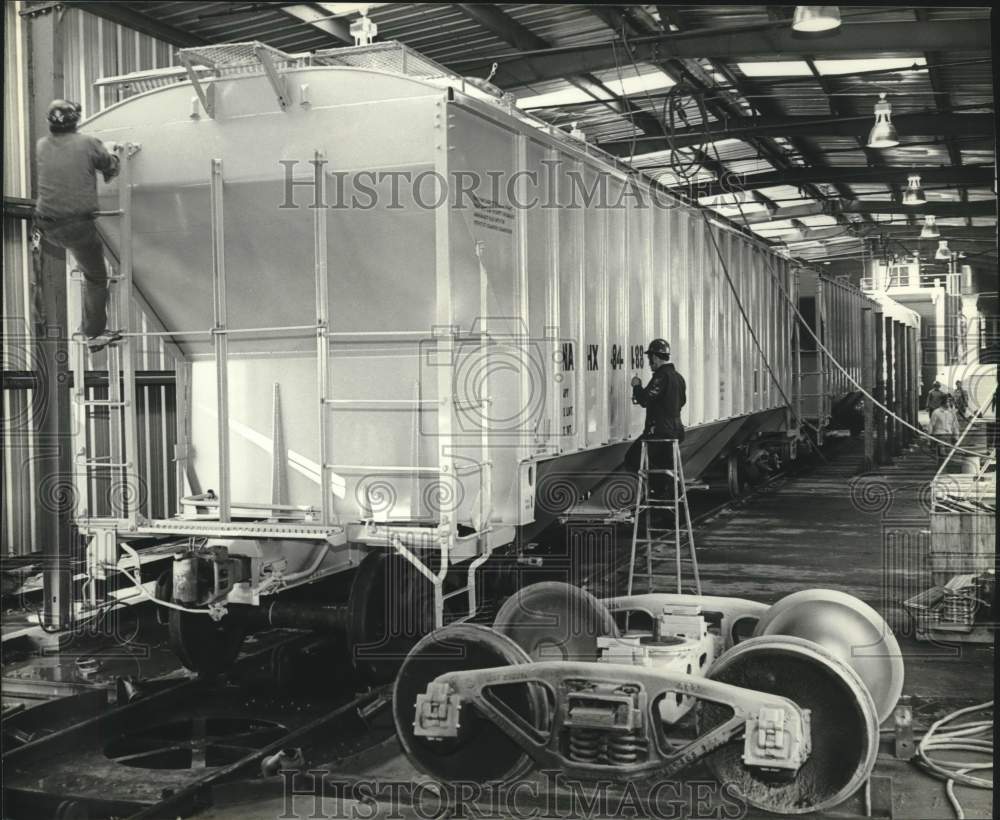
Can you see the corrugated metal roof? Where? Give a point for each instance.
(446, 33)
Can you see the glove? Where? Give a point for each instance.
(112, 172)
(636, 381)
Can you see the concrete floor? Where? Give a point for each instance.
(824, 527)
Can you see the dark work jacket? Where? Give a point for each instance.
(935, 398)
(663, 399)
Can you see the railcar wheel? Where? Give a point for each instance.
(482, 751)
(391, 607)
(843, 723)
(848, 628)
(205, 646)
(553, 621)
(734, 475)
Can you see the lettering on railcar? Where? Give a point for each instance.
(567, 356)
(617, 360)
(593, 362)
(637, 354)
(567, 414)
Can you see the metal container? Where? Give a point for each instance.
(439, 353)
(834, 311)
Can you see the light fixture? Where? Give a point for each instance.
(930, 229)
(883, 133)
(914, 194)
(816, 18)
(942, 254)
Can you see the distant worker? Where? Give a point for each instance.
(961, 400)
(935, 397)
(66, 209)
(663, 399)
(944, 426)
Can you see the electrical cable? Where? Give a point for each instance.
(621, 83)
(820, 346)
(137, 583)
(962, 737)
(753, 336)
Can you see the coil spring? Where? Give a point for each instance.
(584, 745)
(958, 609)
(626, 748)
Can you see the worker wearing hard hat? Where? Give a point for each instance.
(66, 208)
(663, 397)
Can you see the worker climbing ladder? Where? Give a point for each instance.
(119, 467)
(648, 531)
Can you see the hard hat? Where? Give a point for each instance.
(659, 347)
(64, 113)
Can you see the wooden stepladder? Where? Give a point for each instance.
(657, 540)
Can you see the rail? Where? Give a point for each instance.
(77, 740)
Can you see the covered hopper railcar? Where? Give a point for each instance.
(408, 316)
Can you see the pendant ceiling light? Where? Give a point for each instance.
(930, 229)
(914, 194)
(883, 133)
(816, 18)
(942, 253)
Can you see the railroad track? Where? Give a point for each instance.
(161, 754)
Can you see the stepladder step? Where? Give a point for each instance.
(663, 547)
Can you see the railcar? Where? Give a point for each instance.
(407, 315)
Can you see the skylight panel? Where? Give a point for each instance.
(776, 68)
(553, 99)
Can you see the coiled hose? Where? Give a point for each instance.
(964, 737)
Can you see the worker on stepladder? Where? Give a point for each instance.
(663, 399)
(66, 209)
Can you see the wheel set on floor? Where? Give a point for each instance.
(790, 716)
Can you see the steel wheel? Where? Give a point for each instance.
(843, 723)
(848, 628)
(205, 646)
(482, 751)
(391, 607)
(552, 621)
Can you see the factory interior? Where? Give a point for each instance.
(443, 410)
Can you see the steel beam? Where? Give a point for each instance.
(777, 42)
(53, 450)
(901, 231)
(942, 97)
(854, 206)
(319, 19)
(511, 31)
(144, 23)
(973, 175)
(938, 125)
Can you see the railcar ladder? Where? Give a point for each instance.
(654, 538)
(120, 466)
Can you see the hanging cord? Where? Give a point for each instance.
(963, 737)
(753, 335)
(621, 82)
(137, 583)
(820, 346)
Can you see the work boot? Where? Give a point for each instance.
(105, 339)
